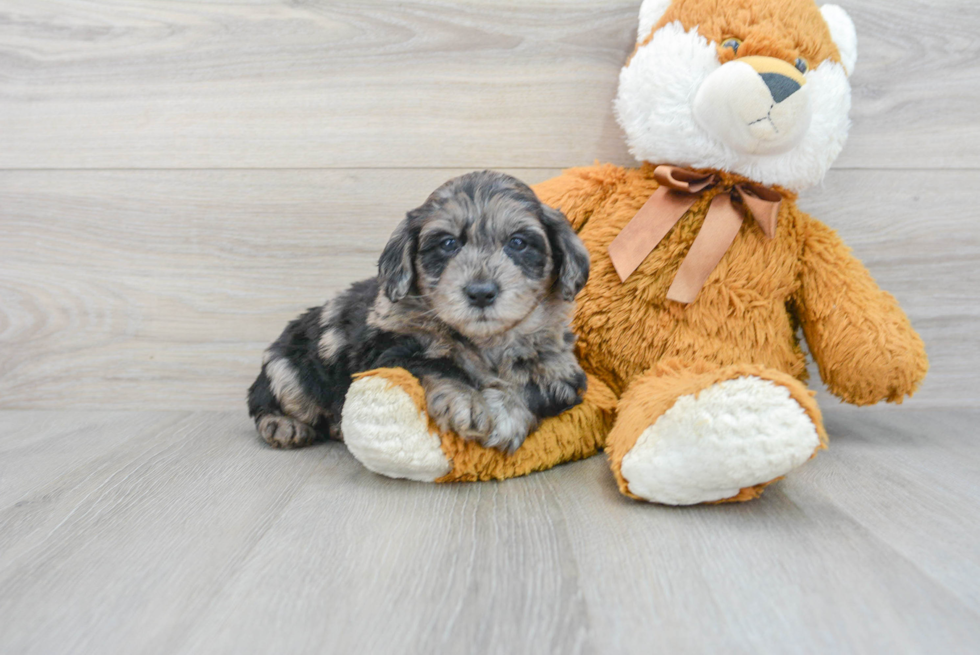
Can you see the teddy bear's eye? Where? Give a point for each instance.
(801, 65)
(732, 43)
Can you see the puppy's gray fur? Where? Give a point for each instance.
(474, 296)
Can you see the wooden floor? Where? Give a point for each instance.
(178, 179)
(178, 532)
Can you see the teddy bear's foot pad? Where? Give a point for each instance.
(707, 446)
(385, 430)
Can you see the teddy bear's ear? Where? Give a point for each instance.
(650, 13)
(843, 33)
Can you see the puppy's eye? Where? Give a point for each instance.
(801, 65)
(517, 243)
(449, 244)
(732, 43)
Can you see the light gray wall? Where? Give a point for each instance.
(179, 179)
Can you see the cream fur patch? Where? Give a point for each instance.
(289, 392)
(387, 433)
(331, 341)
(734, 434)
(654, 106)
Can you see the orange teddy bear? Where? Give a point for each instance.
(704, 270)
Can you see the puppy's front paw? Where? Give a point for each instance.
(551, 398)
(284, 432)
(512, 420)
(568, 393)
(459, 408)
(507, 437)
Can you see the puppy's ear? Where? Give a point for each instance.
(571, 257)
(396, 271)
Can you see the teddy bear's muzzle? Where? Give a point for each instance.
(756, 105)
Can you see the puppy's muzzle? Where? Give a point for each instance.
(481, 294)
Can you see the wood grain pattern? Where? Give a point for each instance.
(181, 533)
(170, 284)
(792, 572)
(158, 525)
(490, 83)
(933, 458)
(160, 289)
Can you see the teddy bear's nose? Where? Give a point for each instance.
(780, 86)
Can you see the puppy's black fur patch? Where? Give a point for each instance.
(365, 348)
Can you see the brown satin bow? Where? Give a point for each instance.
(679, 190)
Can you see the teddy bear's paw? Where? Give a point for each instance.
(732, 435)
(386, 431)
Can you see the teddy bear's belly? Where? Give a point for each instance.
(621, 340)
(740, 316)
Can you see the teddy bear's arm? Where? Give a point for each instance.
(577, 192)
(860, 338)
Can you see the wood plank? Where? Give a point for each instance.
(269, 84)
(910, 478)
(780, 574)
(471, 568)
(38, 447)
(125, 551)
(488, 83)
(195, 537)
(160, 289)
(915, 61)
(842, 556)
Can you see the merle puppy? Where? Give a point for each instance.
(474, 296)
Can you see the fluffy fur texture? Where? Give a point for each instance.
(651, 12)
(736, 433)
(712, 405)
(474, 297)
(843, 33)
(661, 83)
(386, 428)
(750, 309)
(747, 315)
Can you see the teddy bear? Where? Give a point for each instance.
(705, 272)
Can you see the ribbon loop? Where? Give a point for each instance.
(681, 179)
(762, 203)
(679, 190)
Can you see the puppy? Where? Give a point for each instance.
(474, 296)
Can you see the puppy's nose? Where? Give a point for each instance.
(780, 86)
(481, 294)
